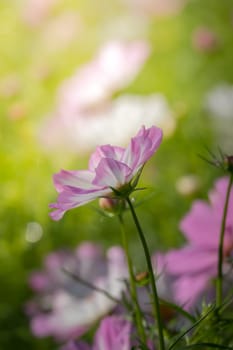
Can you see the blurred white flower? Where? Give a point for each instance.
(34, 232)
(114, 122)
(219, 101)
(188, 184)
(219, 104)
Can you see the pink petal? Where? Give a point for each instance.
(128, 57)
(89, 251)
(111, 173)
(106, 151)
(70, 199)
(114, 333)
(201, 226)
(142, 147)
(192, 260)
(188, 288)
(40, 326)
(80, 179)
(38, 281)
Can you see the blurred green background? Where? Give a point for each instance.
(33, 64)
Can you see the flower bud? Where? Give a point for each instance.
(111, 205)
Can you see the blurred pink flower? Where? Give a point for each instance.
(110, 167)
(68, 301)
(114, 333)
(195, 265)
(115, 66)
(83, 105)
(205, 40)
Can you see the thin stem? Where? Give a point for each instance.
(133, 290)
(90, 285)
(220, 247)
(151, 275)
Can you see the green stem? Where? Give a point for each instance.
(220, 247)
(133, 290)
(151, 276)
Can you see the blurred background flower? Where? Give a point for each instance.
(193, 280)
(75, 290)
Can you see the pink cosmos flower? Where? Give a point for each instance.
(195, 265)
(67, 301)
(110, 167)
(113, 333)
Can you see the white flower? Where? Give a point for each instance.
(113, 123)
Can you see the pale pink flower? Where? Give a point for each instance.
(66, 306)
(110, 167)
(84, 110)
(195, 265)
(116, 64)
(83, 132)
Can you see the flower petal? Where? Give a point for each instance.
(191, 260)
(105, 151)
(80, 179)
(200, 226)
(188, 288)
(114, 333)
(142, 147)
(69, 199)
(111, 173)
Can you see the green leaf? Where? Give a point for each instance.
(208, 345)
